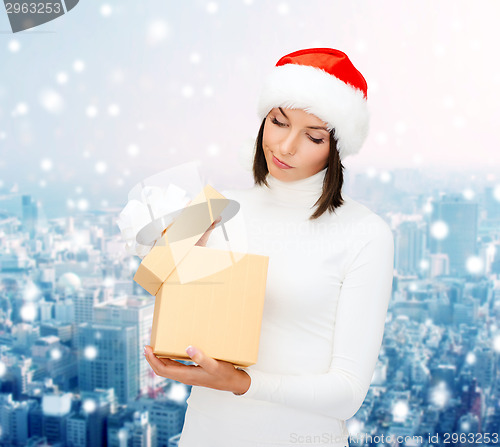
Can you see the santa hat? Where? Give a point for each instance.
(324, 82)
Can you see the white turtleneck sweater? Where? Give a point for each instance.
(328, 287)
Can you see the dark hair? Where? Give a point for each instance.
(331, 197)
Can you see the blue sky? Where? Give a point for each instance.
(113, 92)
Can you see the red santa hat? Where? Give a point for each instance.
(324, 82)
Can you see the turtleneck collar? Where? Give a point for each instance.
(303, 193)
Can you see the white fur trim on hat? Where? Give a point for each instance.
(340, 105)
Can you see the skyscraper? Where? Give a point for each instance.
(459, 240)
(410, 246)
(139, 311)
(30, 215)
(108, 358)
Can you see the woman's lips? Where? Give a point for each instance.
(280, 164)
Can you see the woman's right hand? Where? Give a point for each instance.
(204, 239)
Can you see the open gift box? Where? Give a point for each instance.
(205, 297)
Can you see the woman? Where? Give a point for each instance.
(329, 278)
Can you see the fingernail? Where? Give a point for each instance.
(145, 352)
(190, 351)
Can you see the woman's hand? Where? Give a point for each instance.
(208, 372)
(203, 240)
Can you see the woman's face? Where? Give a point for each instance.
(298, 139)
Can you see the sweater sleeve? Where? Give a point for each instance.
(359, 328)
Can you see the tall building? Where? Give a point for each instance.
(13, 420)
(136, 310)
(30, 215)
(168, 417)
(166, 413)
(439, 265)
(108, 358)
(114, 436)
(87, 427)
(461, 219)
(23, 371)
(131, 427)
(140, 432)
(85, 300)
(466, 312)
(491, 203)
(410, 243)
(76, 431)
(64, 311)
(56, 410)
(484, 366)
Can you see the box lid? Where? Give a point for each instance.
(179, 239)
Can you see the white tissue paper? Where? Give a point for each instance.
(154, 203)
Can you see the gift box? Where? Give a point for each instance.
(205, 297)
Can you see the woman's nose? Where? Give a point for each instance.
(288, 145)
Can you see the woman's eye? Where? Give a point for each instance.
(275, 121)
(316, 140)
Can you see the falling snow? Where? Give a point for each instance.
(14, 46)
(158, 31)
(106, 10)
(91, 111)
(52, 101)
(78, 66)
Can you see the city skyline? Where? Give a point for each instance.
(67, 294)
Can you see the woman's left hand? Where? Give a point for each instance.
(208, 372)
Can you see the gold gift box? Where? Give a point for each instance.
(209, 298)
